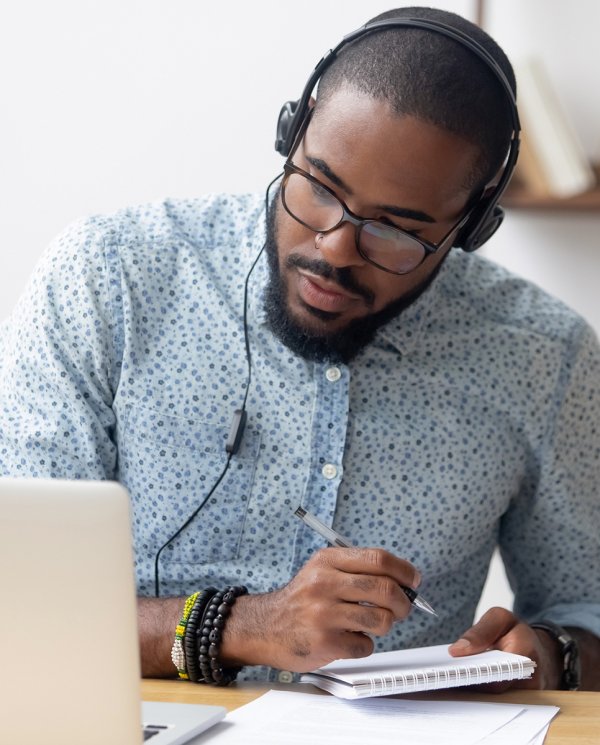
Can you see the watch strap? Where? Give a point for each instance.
(569, 649)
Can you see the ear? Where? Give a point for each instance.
(493, 182)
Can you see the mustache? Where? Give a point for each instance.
(342, 277)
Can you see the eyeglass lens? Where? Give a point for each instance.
(318, 209)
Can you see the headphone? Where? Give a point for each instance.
(486, 216)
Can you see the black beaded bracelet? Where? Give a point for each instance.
(210, 634)
(189, 639)
(204, 637)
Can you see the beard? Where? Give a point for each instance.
(339, 345)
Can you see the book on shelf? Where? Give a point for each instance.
(413, 670)
(552, 162)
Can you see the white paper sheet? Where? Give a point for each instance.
(301, 718)
(525, 728)
(540, 737)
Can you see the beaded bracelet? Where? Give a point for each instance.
(203, 637)
(177, 651)
(189, 639)
(210, 634)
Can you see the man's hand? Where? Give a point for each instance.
(501, 629)
(328, 611)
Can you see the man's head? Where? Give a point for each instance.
(408, 129)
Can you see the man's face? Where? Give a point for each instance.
(397, 169)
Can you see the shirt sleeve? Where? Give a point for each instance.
(59, 364)
(550, 537)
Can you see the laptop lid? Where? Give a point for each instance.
(69, 654)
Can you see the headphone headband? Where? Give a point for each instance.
(487, 216)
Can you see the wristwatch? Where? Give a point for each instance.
(571, 675)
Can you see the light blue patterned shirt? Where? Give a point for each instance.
(471, 420)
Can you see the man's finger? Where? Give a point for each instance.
(493, 625)
(372, 561)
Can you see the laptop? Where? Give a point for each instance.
(69, 655)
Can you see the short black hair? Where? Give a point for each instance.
(434, 78)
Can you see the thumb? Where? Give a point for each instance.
(493, 625)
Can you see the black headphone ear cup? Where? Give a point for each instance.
(480, 228)
(286, 128)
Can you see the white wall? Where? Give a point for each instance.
(110, 102)
(560, 251)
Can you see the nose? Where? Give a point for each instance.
(338, 246)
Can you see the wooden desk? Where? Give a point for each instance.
(578, 720)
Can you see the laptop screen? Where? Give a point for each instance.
(68, 626)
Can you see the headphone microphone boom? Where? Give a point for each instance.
(487, 215)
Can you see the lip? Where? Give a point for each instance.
(323, 294)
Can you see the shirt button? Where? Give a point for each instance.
(329, 471)
(333, 374)
(285, 676)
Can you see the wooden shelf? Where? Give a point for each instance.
(520, 199)
(517, 197)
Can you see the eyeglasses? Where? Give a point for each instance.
(316, 207)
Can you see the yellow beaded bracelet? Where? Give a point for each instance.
(177, 651)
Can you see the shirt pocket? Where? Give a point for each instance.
(170, 465)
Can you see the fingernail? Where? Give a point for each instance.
(461, 644)
(417, 578)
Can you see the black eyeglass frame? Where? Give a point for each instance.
(290, 168)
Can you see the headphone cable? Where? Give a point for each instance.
(239, 418)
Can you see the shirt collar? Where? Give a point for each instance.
(404, 331)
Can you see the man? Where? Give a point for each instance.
(421, 401)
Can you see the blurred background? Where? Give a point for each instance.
(105, 103)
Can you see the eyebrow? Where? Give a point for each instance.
(322, 166)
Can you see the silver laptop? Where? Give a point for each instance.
(69, 655)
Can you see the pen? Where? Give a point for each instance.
(335, 539)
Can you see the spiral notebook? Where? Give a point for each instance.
(412, 670)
